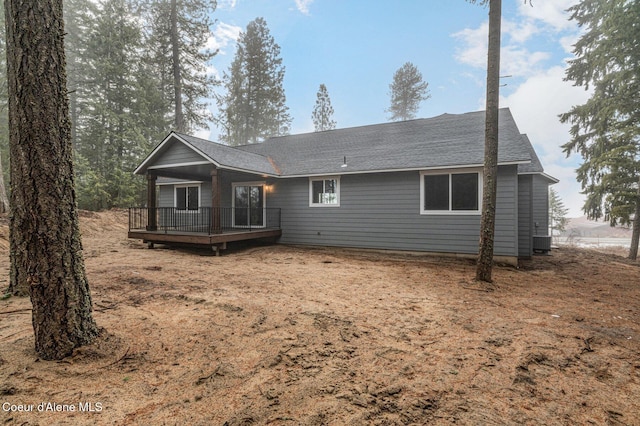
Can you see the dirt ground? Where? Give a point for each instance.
(299, 336)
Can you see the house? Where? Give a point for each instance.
(412, 185)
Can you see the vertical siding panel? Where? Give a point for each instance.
(525, 216)
(540, 205)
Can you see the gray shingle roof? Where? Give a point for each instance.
(448, 140)
(445, 141)
(229, 157)
(535, 166)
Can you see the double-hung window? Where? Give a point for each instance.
(187, 197)
(324, 192)
(454, 192)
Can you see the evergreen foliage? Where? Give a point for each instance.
(122, 90)
(605, 131)
(323, 111)
(178, 32)
(557, 213)
(108, 136)
(407, 91)
(254, 105)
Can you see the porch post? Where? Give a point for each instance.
(152, 220)
(216, 196)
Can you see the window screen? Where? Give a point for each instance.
(181, 198)
(317, 189)
(436, 192)
(464, 191)
(192, 200)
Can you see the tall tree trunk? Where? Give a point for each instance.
(635, 236)
(177, 78)
(46, 252)
(487, 226)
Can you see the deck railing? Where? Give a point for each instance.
(203, 220)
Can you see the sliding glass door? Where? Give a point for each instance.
(248, 203)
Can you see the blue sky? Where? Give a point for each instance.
(355, 46)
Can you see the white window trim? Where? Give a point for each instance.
(318, 178)
(187, 185)
(263, 184)
(451, 172)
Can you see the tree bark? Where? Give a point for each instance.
(177, 77)
(490, 174)
(46, 251)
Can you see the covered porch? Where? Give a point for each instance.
(198, 193)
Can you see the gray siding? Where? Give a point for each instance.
(166, 195)
(540, 205)
(382, 211)
(376, 211)
(525, 216)
(177, 153)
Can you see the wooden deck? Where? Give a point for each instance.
(215, 241)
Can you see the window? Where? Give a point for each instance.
(324, 192)
(187, 197)
(450, 193)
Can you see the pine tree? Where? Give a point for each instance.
(407, 91)
(46, 251)
(323, 111)
(484, 264)
(109, 140)
(557, 213)
(605, 131)
(178, 33)
(78, 18)
(254, 105)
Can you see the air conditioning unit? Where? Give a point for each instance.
(541, 243)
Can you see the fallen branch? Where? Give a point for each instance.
(203, 379)
(102, 308)
(15, 311)
(126, 353)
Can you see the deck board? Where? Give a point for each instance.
(176, 237)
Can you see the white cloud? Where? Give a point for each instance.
(520, 62)
(519, 32)
(222, 36)
(515, 59)
(568, 41)
(474, 52)
(536, 105)
(538, 102)
(303, 6)
(552, 13)
(227, 4)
